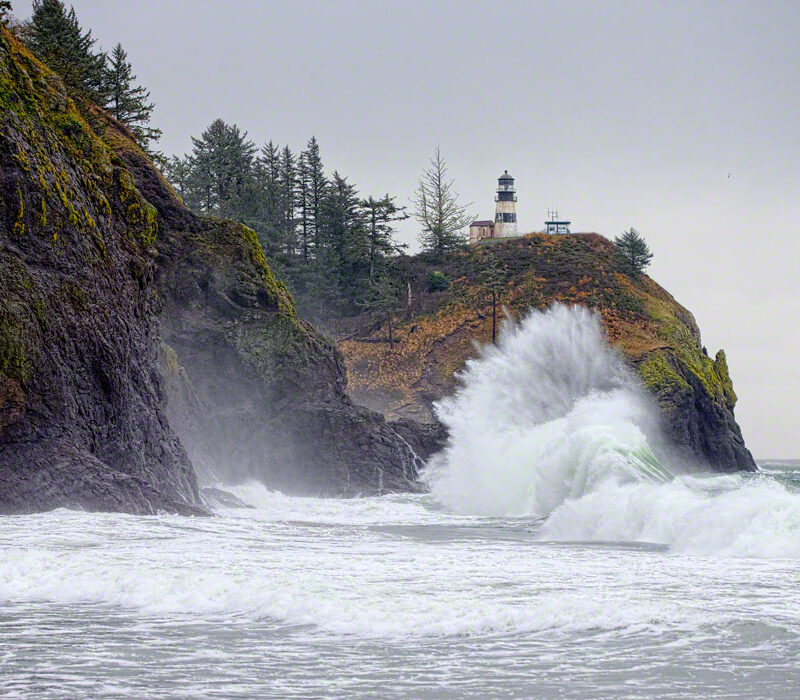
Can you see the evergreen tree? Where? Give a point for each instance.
(438, 211)
(270, 161)
(127, 102)
(316, 188)
(318, 285)
(221, 167)
(304, 205)
(383, 297)
(492, 280)
(56, 37)
(178, 172)
(264, 190)
(287, 179)
(634, 253)
(341, 232)
(379, 214)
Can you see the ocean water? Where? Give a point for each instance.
(396, 597)
(561, 552)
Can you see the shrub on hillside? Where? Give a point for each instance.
(437, 281)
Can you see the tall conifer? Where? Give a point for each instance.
(128, 102)
(56, 37)
(306, 222)
(441, 216)
(287, 173)
(379, 215)
(316, 188)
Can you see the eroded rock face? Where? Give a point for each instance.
(92, 384)
(253, 390)
(81, 417)
(437, 335)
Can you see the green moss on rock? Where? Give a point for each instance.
(659, 377)
(15, 360)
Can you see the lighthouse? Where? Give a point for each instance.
(505, 217)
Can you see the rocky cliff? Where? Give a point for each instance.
(81, 418)
(132, 331)
(437, 334)
(253, 390)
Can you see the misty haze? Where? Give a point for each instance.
(399, 349)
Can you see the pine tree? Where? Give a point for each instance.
(341, 232)
(438, 211)
(178, 171)
(267, 177)
(287, 178)
(492, 280)
(221, 167)
(383, 297)
(304, 205)
(316, 188)
(634, 253)
(379, 214)
(127, 102)
(270, 161)
(56, 37)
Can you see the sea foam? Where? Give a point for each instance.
(551, 424)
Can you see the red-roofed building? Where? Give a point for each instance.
(479, 230)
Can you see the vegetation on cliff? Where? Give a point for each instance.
(96, 247)
(434, 334)
(91, 77)
(327, 241)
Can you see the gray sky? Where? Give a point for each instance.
(618, 113)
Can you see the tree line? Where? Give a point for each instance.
(321, 234)
(55, 36)
(332, 245)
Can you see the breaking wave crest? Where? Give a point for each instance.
(551, 424)
(546, 415)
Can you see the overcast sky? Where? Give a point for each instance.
(681, 119)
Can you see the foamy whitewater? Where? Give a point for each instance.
(560, 553)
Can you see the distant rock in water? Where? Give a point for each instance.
(133, 332)
(437, 336)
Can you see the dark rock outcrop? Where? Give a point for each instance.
(253, 390)
(697, 408)
(426, 439)
(81, 417)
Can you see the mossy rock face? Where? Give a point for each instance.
(81, 408)
(257, 391)
(658, 337)
(660, 378)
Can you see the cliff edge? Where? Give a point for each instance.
(437, 331)
(82, 423)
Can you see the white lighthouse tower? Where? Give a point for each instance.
(505, 217)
